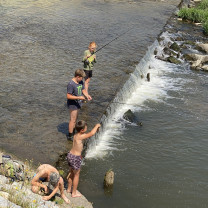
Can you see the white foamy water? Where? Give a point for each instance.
(133, 95)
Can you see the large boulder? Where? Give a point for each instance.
(129, 116)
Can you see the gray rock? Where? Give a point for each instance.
(3, 180)
(4, 203)
(4, 194)
(129, 116)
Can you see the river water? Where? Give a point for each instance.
(159, 164)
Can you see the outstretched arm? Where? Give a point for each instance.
(92, 132)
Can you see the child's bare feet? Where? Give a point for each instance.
(77, 194)
(65, 199)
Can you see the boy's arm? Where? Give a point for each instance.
(35, 180)
(85, 56)
(52, 194)
(73, 97)
(84, 91)
(91, 133)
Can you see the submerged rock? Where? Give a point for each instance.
(109, 178)
(129, 116)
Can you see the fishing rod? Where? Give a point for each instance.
(111, 41)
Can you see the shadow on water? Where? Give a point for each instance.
(63, 128)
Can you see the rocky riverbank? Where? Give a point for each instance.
(18, 194)
(187, 43)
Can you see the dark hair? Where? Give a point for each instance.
(80, 73)
(80, 125)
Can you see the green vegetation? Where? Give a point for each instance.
(198, 14)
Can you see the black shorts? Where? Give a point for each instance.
(88, 74)
(73, 105)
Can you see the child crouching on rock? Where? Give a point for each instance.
(74, 157)
(47, 173)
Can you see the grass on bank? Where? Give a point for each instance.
(197, 14)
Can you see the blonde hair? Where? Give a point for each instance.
(92, 44)
(79, 73)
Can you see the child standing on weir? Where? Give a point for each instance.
(74, 157)
(89, 60)
(75, 95)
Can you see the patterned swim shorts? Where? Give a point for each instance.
(74, 161)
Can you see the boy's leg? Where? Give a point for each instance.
(70, 178)
(73, 119)
(61, 188)
(87, 83)
(75, 193)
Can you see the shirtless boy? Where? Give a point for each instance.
(48, 173)
(74, 157)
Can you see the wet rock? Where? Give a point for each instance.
(175, 47)
(161, 39)
(129, 116)
(198, 60)
(173, 60)
(188, 57)
(184, 46)
(161, 58)
(167, 51)
(179, 39)
(205, 68)
(148, 77)
(203, 47)
(109, 178)
(189, 42)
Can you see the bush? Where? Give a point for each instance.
(193, 14)
(203, 5)
(205, 27)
